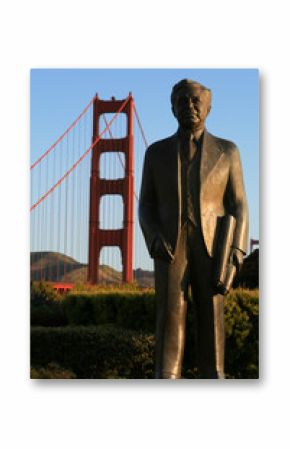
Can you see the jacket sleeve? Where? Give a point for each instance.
(238, 201)
(148, 203)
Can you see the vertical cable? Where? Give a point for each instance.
(52, 216)
(43, 225)
(84, 187)
(59, 216)
(72, 236)
(78, 218)
(39, 223)
(65, 216)
(47, 223)
(33, 233)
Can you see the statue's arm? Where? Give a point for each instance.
(148, 203)
(239, 207)
(157, 245)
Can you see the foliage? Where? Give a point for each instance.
(249, 275)
(242, 334)
(128, 309)
(51, 371)
(42, 292)
(105, 323)
(101, 288)
(94, 352)
(45, 306)
(131, 309)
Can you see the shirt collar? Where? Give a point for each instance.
(185, 135)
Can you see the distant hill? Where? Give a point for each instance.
(52, 266)
(144, 278)
(55, 266)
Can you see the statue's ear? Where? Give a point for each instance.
(173, 112)
(209, 109)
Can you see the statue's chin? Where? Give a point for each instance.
(192, 125)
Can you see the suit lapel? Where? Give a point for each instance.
(210, 154)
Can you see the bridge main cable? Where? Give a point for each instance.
(141, 127)
(81, 158)
(63, 135)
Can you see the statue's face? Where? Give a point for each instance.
(191, 107)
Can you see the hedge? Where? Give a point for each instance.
(51, 371)
(130, 310)
(242, 334)
(46, 308)
(94, 353)
(107, 327)
(89, 352)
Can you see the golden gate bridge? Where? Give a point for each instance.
(84, 198)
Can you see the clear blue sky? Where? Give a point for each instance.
(59, 95)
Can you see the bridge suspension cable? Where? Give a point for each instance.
(141, 127)
(63, 134)
(80, 159)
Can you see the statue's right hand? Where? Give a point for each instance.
(162, 250)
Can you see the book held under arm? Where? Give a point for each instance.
(225, 269)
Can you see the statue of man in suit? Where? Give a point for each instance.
(190, 181)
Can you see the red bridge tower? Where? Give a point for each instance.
(123, 238)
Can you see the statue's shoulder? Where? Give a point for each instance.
(160, 146)
(227, 146)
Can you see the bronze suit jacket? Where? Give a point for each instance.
(221, 191)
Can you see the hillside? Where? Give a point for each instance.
(55, 266)
(52, 266)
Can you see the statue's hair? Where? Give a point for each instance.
(184, 83)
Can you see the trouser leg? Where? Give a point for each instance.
(209, 309)
(210, 342)
(171, 291)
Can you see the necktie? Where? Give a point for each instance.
(191, 149)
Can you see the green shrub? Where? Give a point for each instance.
(42, 292)
(94, 353)
(51, 371)
(123, 312)
(101, 288)
(46, 308)
(127, 309)
(242, 334)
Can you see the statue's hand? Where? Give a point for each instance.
(237, 256)
(162, 250)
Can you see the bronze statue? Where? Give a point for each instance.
(191, 182)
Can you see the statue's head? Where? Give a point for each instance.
(191, 103)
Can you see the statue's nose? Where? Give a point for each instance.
(190, 103)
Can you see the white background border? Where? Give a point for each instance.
(144, 414)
